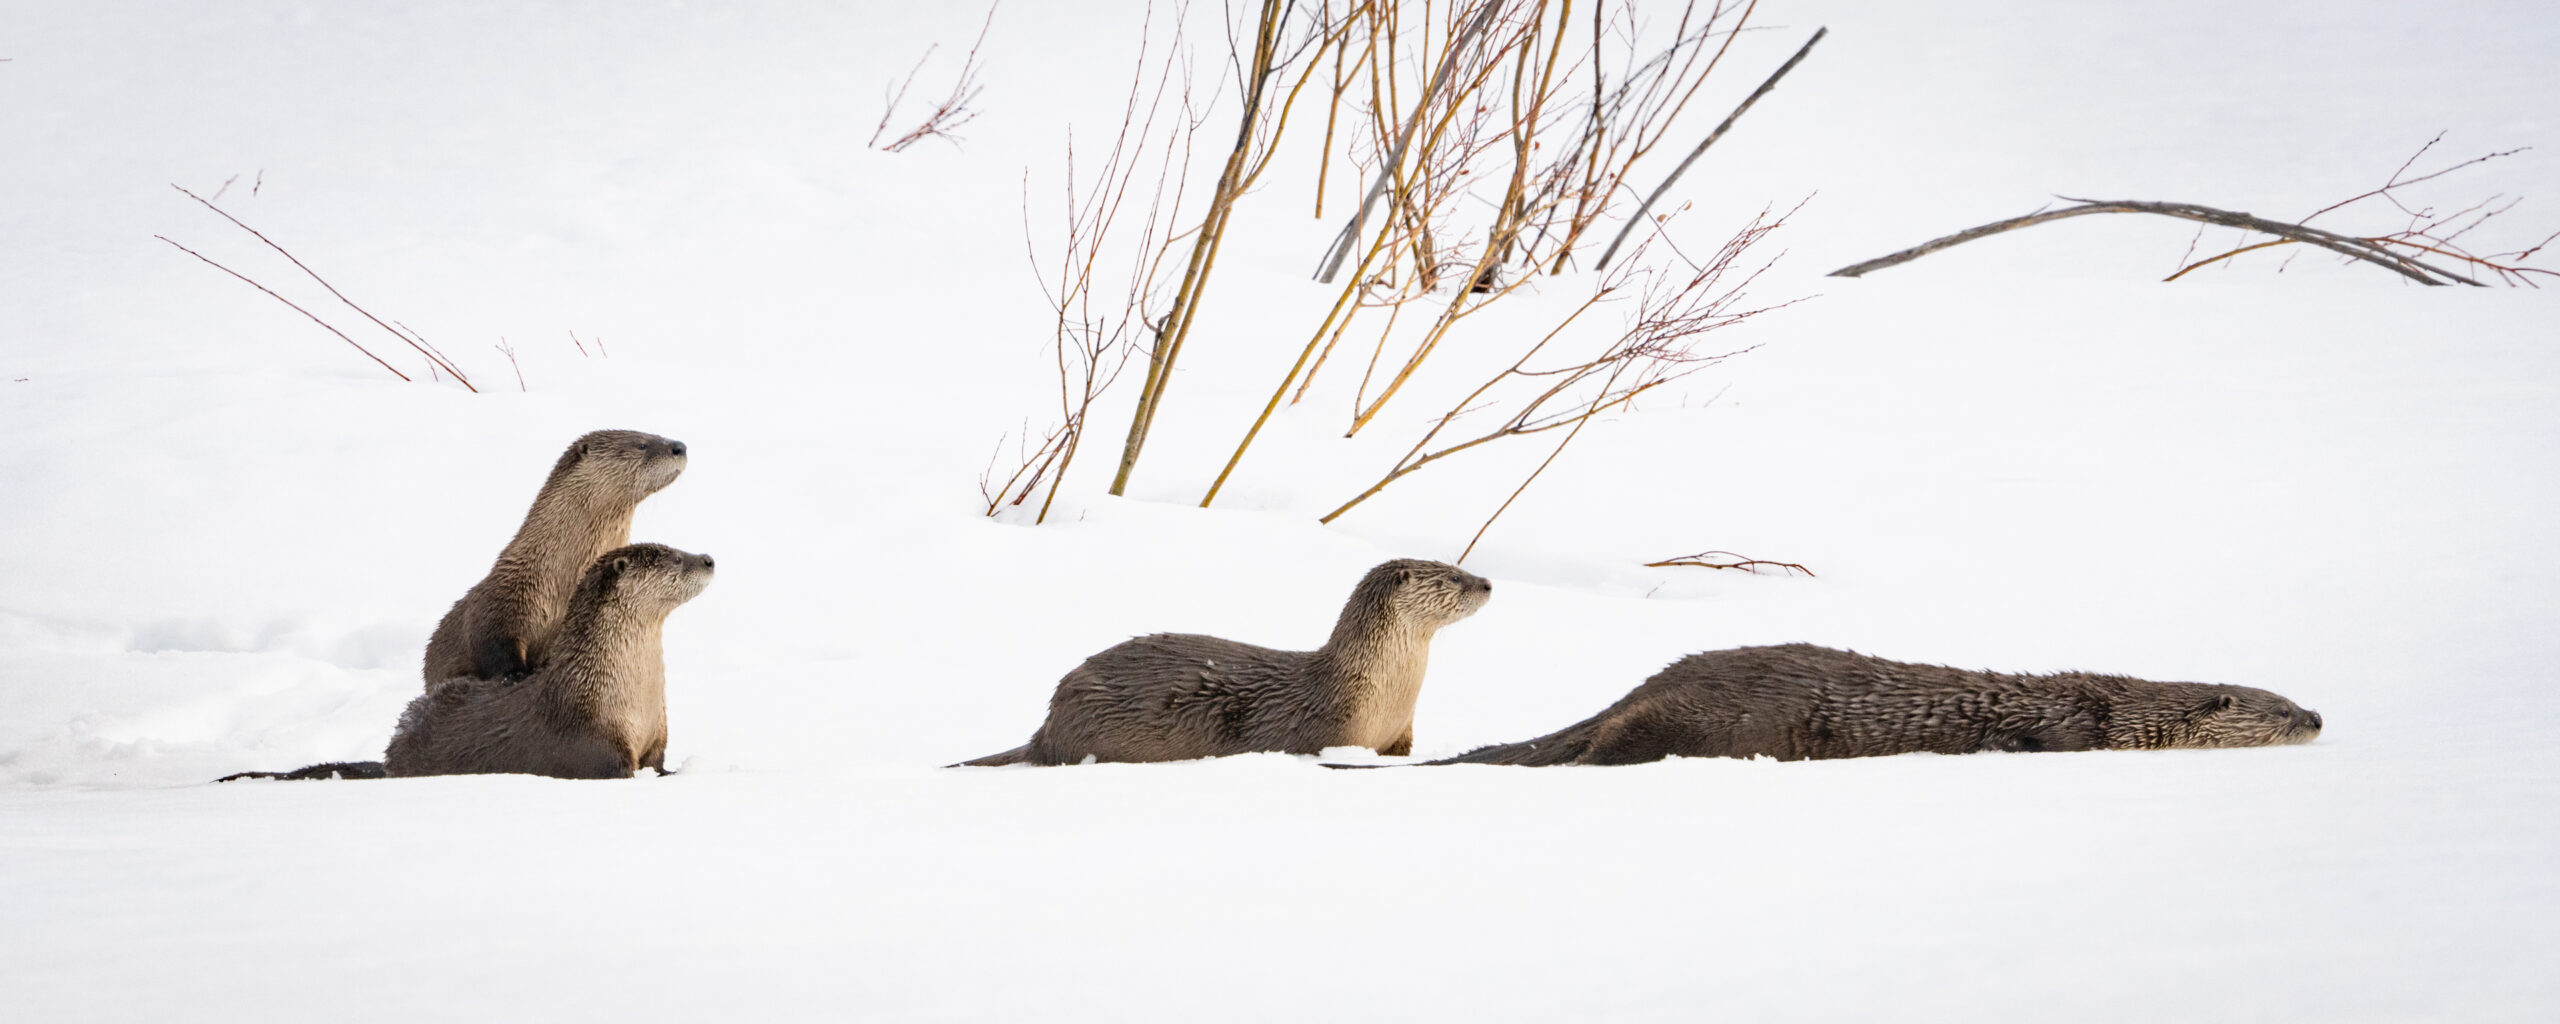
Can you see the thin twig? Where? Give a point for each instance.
(324, 283)
(510, 352)
(1351, 232)
(342, 335)
(1706, 560)
(1710, 140)
(954, 110)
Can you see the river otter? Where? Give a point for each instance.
(1799, 701)
(503, 626)
(596, 709)
(1177, 696)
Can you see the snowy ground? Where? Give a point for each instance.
(228, 537)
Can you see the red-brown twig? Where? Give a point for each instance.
(954, 110)
(510, 352)
(1094, 337)
(458, 375)
(342, 335)
(1658, 347)
(1707, 560)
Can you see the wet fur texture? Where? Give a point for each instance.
(504, 626)
(1178, 696)
(1799, 701)
(597, 709)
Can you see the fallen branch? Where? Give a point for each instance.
(2349, 246)
(1706, 560)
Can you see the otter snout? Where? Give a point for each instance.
(675, 448)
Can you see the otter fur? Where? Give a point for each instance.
(1799, 701)
(1178, 696)
(596, 709)
(504, 625)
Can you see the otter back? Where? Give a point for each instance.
(1799, 701)
(1177, 696)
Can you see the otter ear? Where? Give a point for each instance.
(2224, 702)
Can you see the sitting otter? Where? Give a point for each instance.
(1799, 701)
(596, 709)
(504, 625)
(1177, 696)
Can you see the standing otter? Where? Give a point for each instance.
(1177, 696)
(1799, 701)
(503, 626)
(596, 709)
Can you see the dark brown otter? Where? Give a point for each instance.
(504, 625)
(596, 709)
(1799, 701)
(1177, 696)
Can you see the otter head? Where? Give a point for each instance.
(2243, 716)
(649, 576)
(620, 463)
(1421, 593)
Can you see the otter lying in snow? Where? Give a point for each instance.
(1799, 701)
(1178, 696)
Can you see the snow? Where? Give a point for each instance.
(228, 537)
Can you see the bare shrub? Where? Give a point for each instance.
(1491, 137)
(1260, 124)
(1661, 344)
(1498, 157)
(1103, 276)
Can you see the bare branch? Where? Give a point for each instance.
(324, 283)
(2355, 248)
(954, 111)
(342, 335)
(1730, 560)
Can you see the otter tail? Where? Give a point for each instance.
(1560, 747)
(1563, 746)
(1017, 755)
(332, 770)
